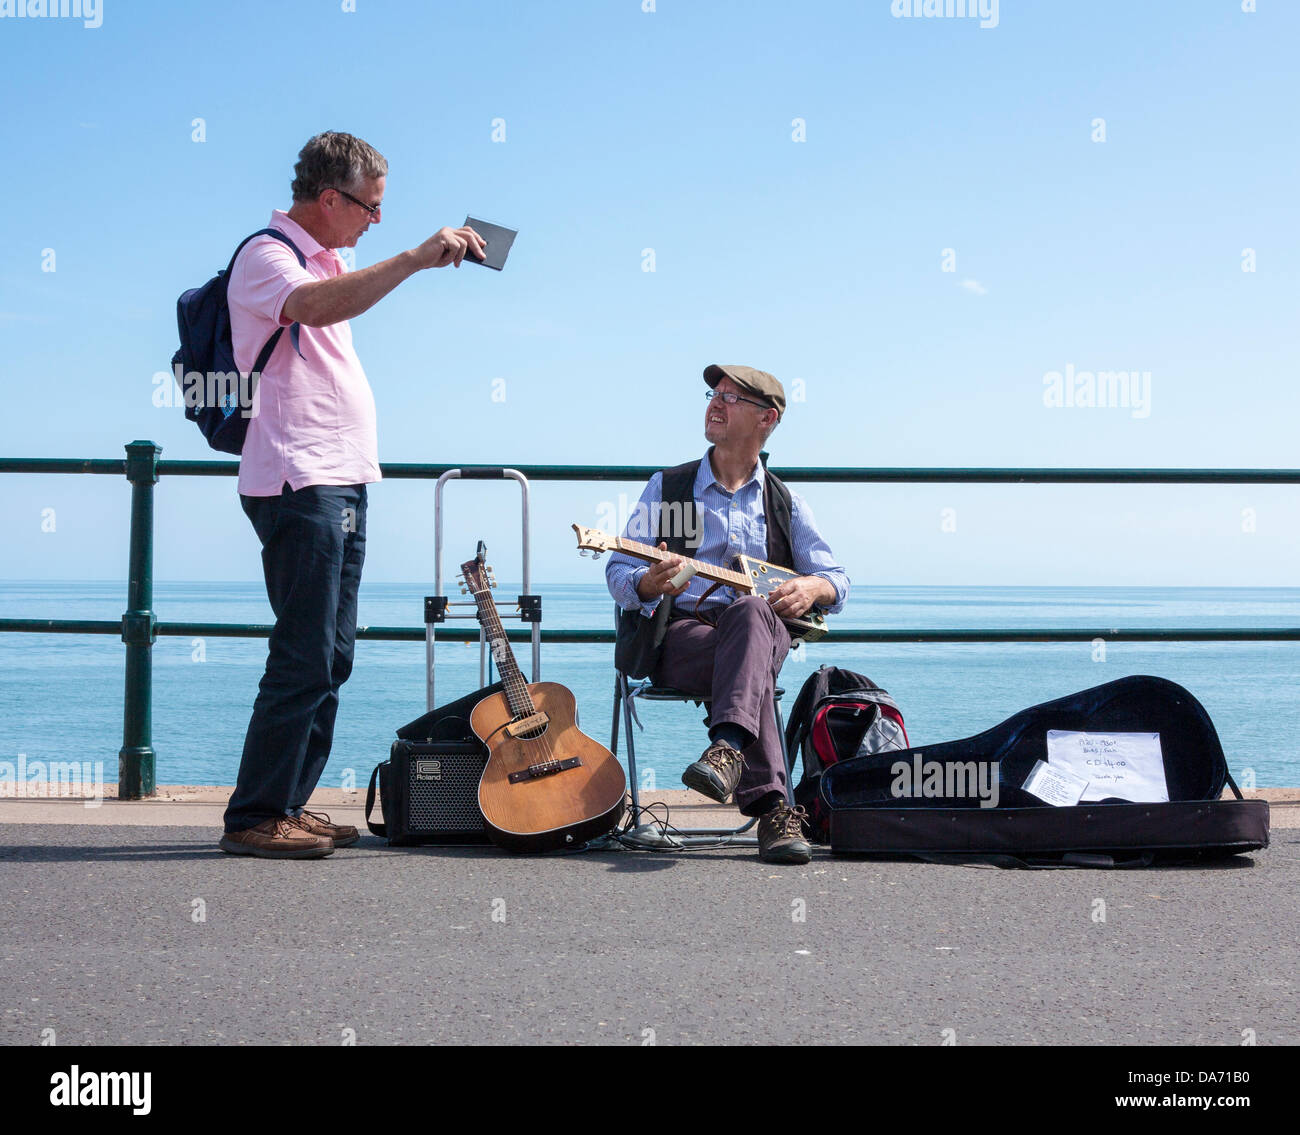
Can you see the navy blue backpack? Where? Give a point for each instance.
(204, 365)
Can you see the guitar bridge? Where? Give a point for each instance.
(544, 768)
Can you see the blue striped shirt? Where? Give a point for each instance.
(733, 525)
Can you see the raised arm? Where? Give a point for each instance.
(323, 302)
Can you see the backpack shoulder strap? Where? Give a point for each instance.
(264, 355)
(302, 260)
(282, 238)
(799, 721)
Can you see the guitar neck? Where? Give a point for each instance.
(735, 579)
(512, 678)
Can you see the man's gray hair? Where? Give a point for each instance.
(335, 161)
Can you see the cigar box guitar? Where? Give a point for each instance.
(747, 576)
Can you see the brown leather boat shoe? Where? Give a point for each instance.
(282, 838)
(318, 823)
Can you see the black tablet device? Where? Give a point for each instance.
(498, 240)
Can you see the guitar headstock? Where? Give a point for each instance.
(476, 574)
(595, 541)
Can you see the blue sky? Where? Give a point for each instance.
(819, 260)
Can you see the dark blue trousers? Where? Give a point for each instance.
(313, 546)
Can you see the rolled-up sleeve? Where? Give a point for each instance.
(623, 573)
(812, 555)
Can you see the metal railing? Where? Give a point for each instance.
(139, 627)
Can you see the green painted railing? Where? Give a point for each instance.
(139, 626)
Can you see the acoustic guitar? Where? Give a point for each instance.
(547, 785)
(748, 577)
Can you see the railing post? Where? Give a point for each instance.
(135, 761)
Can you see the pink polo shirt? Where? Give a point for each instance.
(314, 416)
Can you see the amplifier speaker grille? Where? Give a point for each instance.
(443, 790)
(429, 792)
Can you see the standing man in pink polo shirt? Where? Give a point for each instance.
(309, 454)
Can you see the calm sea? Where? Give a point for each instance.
(61, 695)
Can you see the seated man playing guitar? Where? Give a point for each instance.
(707, 641)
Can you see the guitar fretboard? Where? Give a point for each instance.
(512, 678)
(735, 579)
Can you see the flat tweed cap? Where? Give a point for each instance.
(747, 378)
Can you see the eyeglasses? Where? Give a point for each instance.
(373, 210)
(731, 399)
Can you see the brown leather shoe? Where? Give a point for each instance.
(716, 773)
(780, 836)
(283, 838)
(318, 823)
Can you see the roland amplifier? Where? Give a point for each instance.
(429, 793)
(428, 787)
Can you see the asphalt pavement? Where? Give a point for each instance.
(125, 934)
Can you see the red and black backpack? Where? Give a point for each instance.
(839, 714)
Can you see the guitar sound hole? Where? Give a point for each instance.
(532, 734)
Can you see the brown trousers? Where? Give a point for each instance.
(734, 664)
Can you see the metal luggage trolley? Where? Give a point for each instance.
(436, 606)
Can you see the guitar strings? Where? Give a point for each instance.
(734, 578)
(511, 676)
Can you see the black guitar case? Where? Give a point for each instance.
(869, 816)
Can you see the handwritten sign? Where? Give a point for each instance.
(1127, 765)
